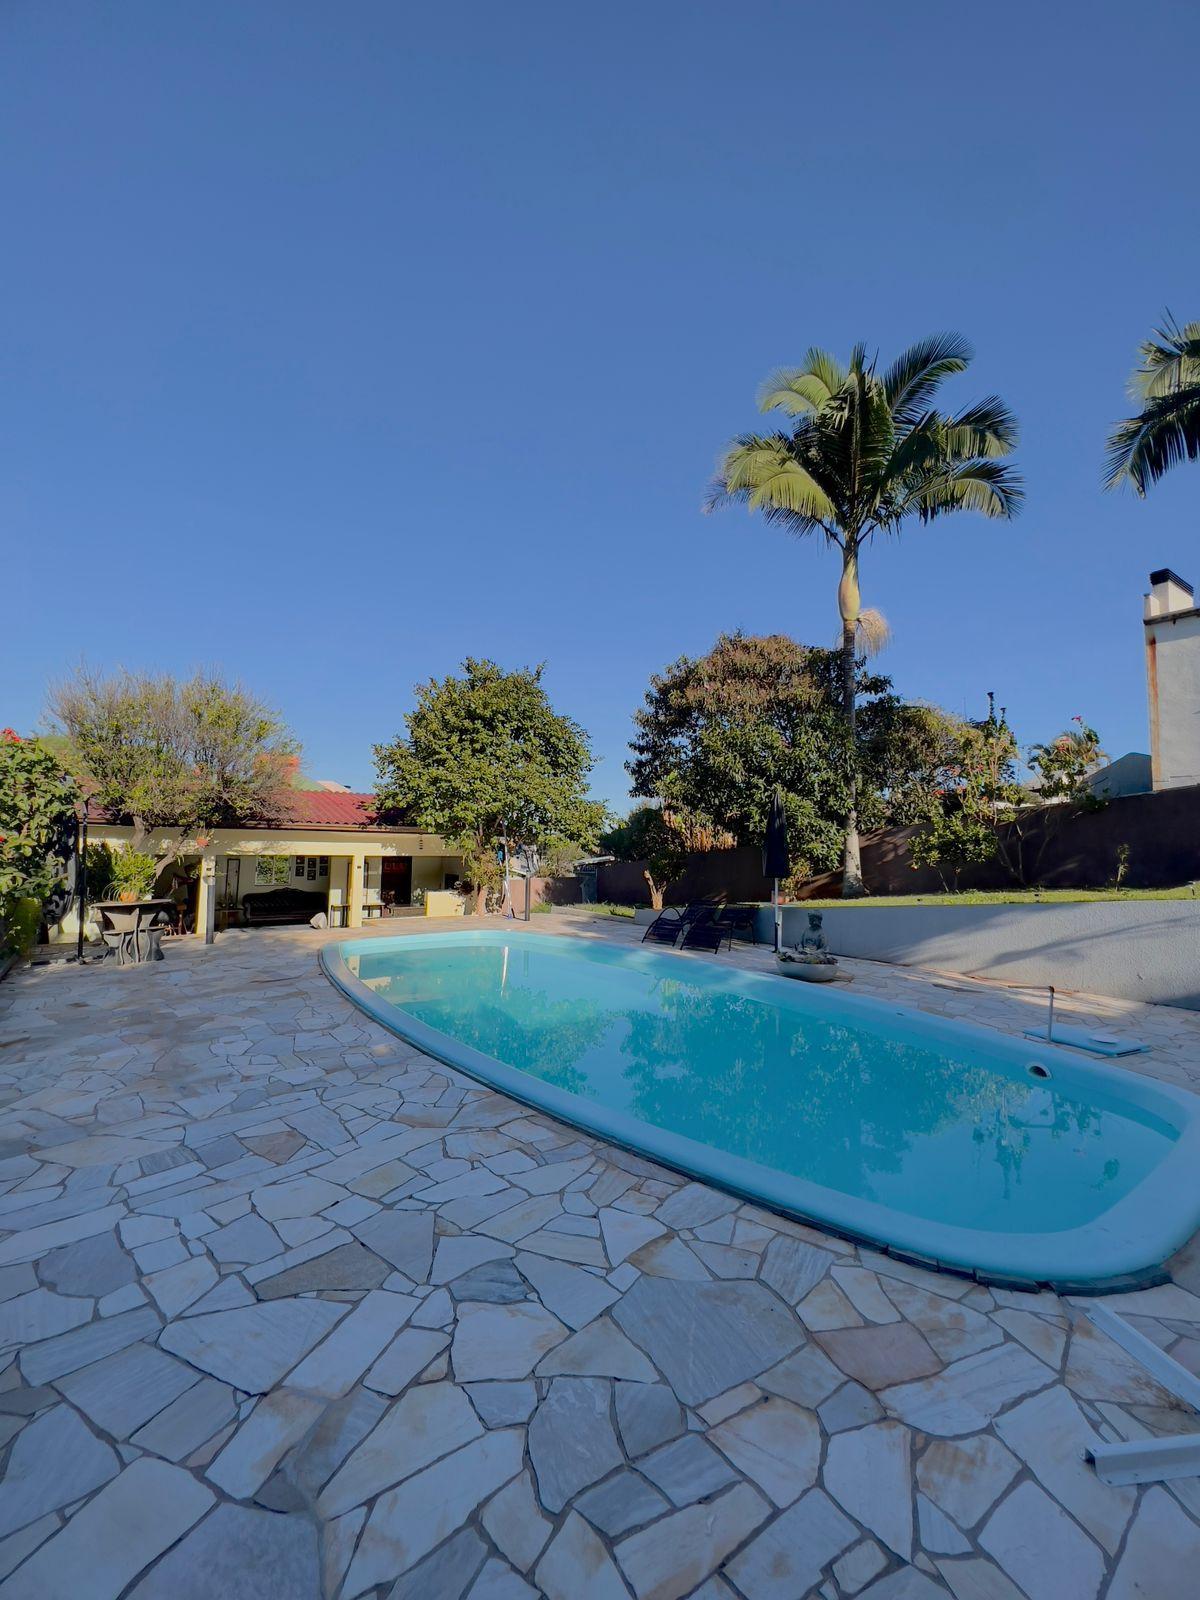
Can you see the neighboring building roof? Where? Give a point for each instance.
(313, 809)
(301, 780)
(323, 808)
(1128, 774)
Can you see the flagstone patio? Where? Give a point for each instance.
(289, 1310)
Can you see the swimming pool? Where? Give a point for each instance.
(924, 1136)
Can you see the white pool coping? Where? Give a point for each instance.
(1124, 1248)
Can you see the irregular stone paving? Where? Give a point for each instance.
(290, 1310)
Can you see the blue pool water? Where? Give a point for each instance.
(924, 1135)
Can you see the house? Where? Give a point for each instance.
(1171, 620)
(327, 843)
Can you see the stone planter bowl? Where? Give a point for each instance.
(808, 971)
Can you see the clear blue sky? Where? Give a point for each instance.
(344, 339)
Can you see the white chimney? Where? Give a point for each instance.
(1168, 593)
(1171, 621)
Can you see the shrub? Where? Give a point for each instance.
(37, 827)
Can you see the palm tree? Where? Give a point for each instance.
(864, 452)
(1167, 429)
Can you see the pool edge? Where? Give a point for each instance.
(525, 1089)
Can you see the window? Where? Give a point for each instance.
(272, 870)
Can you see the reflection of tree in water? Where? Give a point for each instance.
(748, 1077)
(859, 1099)
(854, 1097)
(513, 1023)
(1006, 1115)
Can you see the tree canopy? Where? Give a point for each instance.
(185, 756)
(718, 732)
(486, 756)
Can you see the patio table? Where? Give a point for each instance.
(134, 928)
(371, 909)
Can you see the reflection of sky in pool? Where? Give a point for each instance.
(933, 1129)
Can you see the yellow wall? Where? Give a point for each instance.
(428, 871)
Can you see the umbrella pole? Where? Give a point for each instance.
(777, 915)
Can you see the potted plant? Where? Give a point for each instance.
(133, 876)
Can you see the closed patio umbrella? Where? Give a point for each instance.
(775, 857)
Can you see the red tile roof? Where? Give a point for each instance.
(322, 808)
(311, 808)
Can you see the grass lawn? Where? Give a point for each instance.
(1007, 897)
(602, 908)
(969, 897)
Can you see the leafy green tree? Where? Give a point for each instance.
(866, 453)
(979, 792)
(661, 839)
(717, 733)
(950, 841)
(1166, 429)
(987, 814)
(486, 757)
(160, 754)
(906, 753)
(38, 801)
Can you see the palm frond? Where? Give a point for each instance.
(858, 360)
(824, 366)
(1170, 361)
(762, 473)
(876, 436)
(794, 391)
(914, 377)
(1143, 448)
(987, 428)
(989, 487)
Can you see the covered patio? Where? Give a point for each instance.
(328, 854)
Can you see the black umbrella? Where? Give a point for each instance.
(775, 857)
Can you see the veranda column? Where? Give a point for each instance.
(206, 897)
(354, 889)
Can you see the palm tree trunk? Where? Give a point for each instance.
(849, 604)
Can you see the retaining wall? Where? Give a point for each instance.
(1131, 949)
